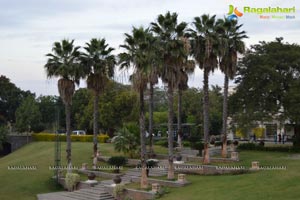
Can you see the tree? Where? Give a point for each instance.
(140, 55)
(10, 99)
(28, 115)
(99, 65)
(127, 140)
(3, 136)
(231, 44)
(48, 108)
(268, 80)
(187, 68)
(173, 53)
(153, 79)
(64, 64)
(204, 48)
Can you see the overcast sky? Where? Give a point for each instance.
(28, 28)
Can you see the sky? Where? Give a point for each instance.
(29, 28)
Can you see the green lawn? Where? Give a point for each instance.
(258, 185)
(273, 185)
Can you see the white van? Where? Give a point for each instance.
(78, 132)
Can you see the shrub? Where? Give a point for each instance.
(162, 142)
(235, 142)
(117, 161)
(118, 191)
(186, 143)
(218, 143)
(126, 142)
(261, 143)
(247, 146)
(165, 143)
(102, 138)
(258, 132)
(198, 146)
(253, 146)
(71, 180)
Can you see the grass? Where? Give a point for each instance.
(26, 184)
(275, 185)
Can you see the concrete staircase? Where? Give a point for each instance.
(94, 193)
(98, 191)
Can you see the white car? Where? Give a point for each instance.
(78, 132)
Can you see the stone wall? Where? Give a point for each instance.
(133, 194)
(17, 141)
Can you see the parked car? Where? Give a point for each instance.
(78, 132)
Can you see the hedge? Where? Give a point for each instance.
(256, 147)
(102, 138)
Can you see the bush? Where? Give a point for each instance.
(71, 180)
(235, 142)
(165, 143)
(253, 146)
(126, 142)
(198, 146)
(218, 143)
(186, 143)
(262, 143)
(102, 138)
(117, 161)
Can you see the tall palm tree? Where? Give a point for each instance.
(188, 68)
(172, 50)
(204, 45)
(64, 64)
(153, 79)
(99, 64)
(139, 54)
(231, 44)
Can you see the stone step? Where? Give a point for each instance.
(97, 192)
(83, 195)
(78, 196)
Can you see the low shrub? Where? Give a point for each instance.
(261, 143)
(71, 181)
(102, 138)
(229, 142)
(257, 147)
(197, 146)
(218, 143)
(186, 143)
(165, 143)
(117, 161)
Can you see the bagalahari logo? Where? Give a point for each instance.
(233, 13)
(263, 13)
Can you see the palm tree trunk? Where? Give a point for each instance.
(96, 127)
(170, 131)
(206, 159)
(179, 124)
(68, 132)
(151, 119)
(225, 113)
(144, 181)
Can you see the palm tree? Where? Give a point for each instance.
(139, 55)
(187, 69)
(204, 46)
(231, 44)
(99, 66)
(153, 79)
(64, 64)
(153, 76)
(173, 52)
